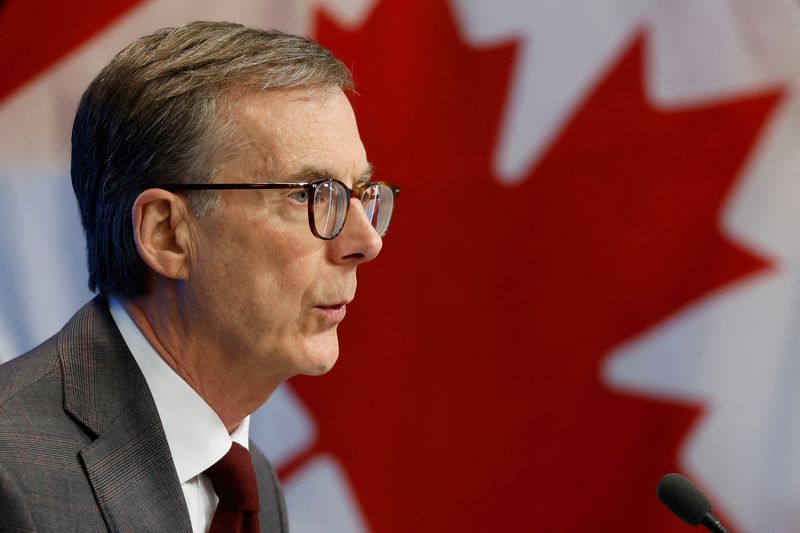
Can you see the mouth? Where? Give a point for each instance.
(334, 312)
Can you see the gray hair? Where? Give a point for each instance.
(155, 115)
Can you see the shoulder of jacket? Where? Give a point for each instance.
(27, 369)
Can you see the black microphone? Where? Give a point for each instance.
(683, 499)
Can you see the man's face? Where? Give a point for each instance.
(263, 291)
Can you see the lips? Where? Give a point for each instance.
(334, 312)
(334, 306)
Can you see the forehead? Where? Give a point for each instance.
(287, 131)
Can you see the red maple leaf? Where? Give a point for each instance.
(35, 34)
(468, 395)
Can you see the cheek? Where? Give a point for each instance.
(273, 284)
(260, 270)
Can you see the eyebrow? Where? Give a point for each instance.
(310, 173)
(365, 176)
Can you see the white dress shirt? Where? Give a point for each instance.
(197, 437)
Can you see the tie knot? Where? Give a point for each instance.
(234, 480)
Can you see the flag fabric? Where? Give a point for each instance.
(590, 280)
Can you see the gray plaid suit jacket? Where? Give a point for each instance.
(82, 447)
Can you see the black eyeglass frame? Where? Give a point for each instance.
(310, 186)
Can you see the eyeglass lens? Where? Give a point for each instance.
(377, 201)
(329, 213)
(331, 200)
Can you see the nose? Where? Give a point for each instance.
(358, 242)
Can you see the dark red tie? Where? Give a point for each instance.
(234, 482)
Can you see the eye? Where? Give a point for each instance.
(299, 196)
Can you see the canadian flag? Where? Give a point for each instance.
(591, 279)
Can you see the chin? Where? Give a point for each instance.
(321, 364)
(321, 354)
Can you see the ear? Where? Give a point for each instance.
(161, 229)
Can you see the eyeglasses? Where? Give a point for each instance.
(331, 201)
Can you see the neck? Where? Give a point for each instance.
(233, 391)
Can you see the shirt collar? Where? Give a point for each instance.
(197, 437)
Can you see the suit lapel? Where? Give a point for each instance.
(132, 473)
(129, 463)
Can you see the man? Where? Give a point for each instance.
(227, 201)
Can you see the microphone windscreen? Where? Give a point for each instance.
(683, 499)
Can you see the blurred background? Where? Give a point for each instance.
(591, 279)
